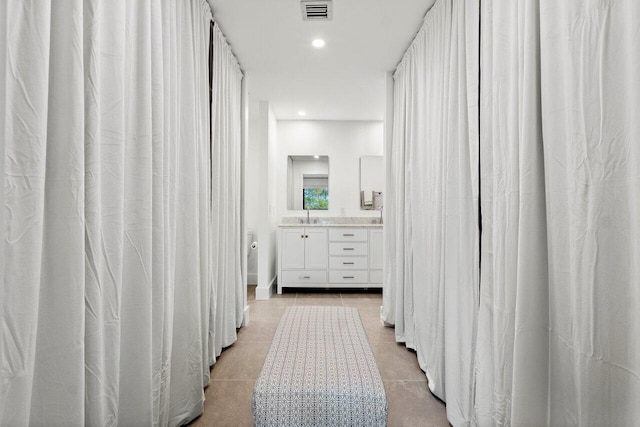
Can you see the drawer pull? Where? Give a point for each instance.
(305, 277)
(348, 235)
(347, 249)
(348, 263)
(348, 277)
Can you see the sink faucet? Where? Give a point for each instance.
(308, 216)
(380, 209)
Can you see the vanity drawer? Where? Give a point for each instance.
(348, 234)
(375, 276)
(355, 276)
(304, 276)
(338, 248)
(348, 262)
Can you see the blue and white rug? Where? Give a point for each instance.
(320, 371)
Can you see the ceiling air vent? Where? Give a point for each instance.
(316, 10)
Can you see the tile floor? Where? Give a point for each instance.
(228, 396)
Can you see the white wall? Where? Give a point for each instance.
(261, 195)
(252, 190)
(344, 142)
(272, 220)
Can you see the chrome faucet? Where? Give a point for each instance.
(380, 209)
(308, 222)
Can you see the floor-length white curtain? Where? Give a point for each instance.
(556, 339)
(431, 281)
(512, 349)
(106, 208)
(559, 325)
(397, 306)
(227, 249)
(591, 131)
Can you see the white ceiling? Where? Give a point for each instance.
(342, 81)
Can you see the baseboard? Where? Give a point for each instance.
(264, 294)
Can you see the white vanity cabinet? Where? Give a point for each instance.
(329, 256)
(303, 248)
(302, 257)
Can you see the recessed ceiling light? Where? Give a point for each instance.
(302, 113)
(316, 157)
(318, 43)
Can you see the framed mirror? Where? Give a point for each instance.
(372, 182)
(308, 182)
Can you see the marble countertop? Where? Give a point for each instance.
(331, 222)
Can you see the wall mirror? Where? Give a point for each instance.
(372, 182)
(308, 182)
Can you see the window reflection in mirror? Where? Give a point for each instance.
(308, 182)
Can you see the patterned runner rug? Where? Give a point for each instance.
(320, 371)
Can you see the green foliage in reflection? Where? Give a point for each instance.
(316, 198)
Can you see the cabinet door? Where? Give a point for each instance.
(316, 248)
(375, 249)
(292, 247)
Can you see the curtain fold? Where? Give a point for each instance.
(558, 326)
(107, 213)
(431, 280)
(512, 348)
(590, 90)
(227, 252)
(555, 342)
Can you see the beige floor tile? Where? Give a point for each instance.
(241, 361)
(251, 293)
(266, 309)
(260, 329)
(396, 362)
(370, 313)
(412, 404)
(286, 294)
(376, 332)
(369, 303)
(227, 403)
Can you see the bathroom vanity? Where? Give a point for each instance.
(330, 255)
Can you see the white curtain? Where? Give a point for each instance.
(556, 338)
(431, 228)
(228, 250)
(559, 324)
(107, 269)
(512, 348)
(591, 132)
